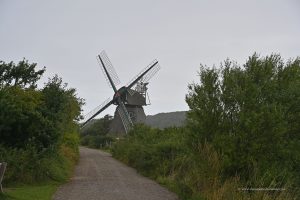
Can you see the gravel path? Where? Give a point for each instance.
(99, 176)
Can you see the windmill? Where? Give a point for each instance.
(129, 99)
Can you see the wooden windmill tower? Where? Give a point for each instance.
(129, 99)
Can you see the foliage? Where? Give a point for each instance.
(247, 111)
(28, 166)
(145, 147)
(195, 174)
(96, 133)
(19, 118)
(42, 191)
(23, 74)
(38, 127)
(97, 126)
(241, 132)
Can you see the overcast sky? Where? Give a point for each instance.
(66, 36)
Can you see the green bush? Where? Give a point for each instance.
(38, 127)
(28, 166)
(144, 148)
(167, 157)
(251, 116)
(96, 133)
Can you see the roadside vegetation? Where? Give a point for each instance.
(38, 129)
(241, 139)
(96, 133)
(38, 191)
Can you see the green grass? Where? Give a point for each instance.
(30, 192)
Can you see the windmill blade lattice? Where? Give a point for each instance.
(96, 111)
(110, 69)
(150, 74)
(124, 115)
(145, 75)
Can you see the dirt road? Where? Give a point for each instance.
(98, 176)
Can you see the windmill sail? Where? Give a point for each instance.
(108, 70)
(96, 111)
(150, 74)
(124, 115)
(145, 75)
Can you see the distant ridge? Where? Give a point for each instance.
(160, 120)
(164, 120)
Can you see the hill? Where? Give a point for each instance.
(164, 120)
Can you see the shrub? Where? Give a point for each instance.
(38, 128)
(28, 166)
(192, 173)
(250, 115)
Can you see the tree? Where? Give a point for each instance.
(38, 127)
(29, 116)
(61, 106)
(23, 74)
(20, 120)
(251, 114)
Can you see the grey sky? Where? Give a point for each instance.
(66, 36)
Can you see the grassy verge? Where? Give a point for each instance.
(42, 191)
(38, 183)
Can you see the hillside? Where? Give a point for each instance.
(164, 120)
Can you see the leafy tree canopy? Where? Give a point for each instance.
(29, 116)
(23, 74)
(250, 113)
